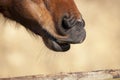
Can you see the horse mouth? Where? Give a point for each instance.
(55, 45)
(62, 46)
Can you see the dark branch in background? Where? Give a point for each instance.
(94, 75)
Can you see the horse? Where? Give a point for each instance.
(58, 22)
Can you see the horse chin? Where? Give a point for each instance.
(56, 46)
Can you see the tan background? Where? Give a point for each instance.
(21, 53)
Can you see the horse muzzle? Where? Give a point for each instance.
(74, 29)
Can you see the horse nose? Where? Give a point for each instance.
(70, 21)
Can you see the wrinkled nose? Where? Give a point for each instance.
(69, 22)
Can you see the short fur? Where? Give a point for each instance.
(45, 18)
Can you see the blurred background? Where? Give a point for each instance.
(22, 53)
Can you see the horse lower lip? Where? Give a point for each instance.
(65, 46)
(60, 46)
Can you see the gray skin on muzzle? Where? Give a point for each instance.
(76, 34)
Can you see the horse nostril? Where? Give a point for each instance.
(68, 22)
(65, 24)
